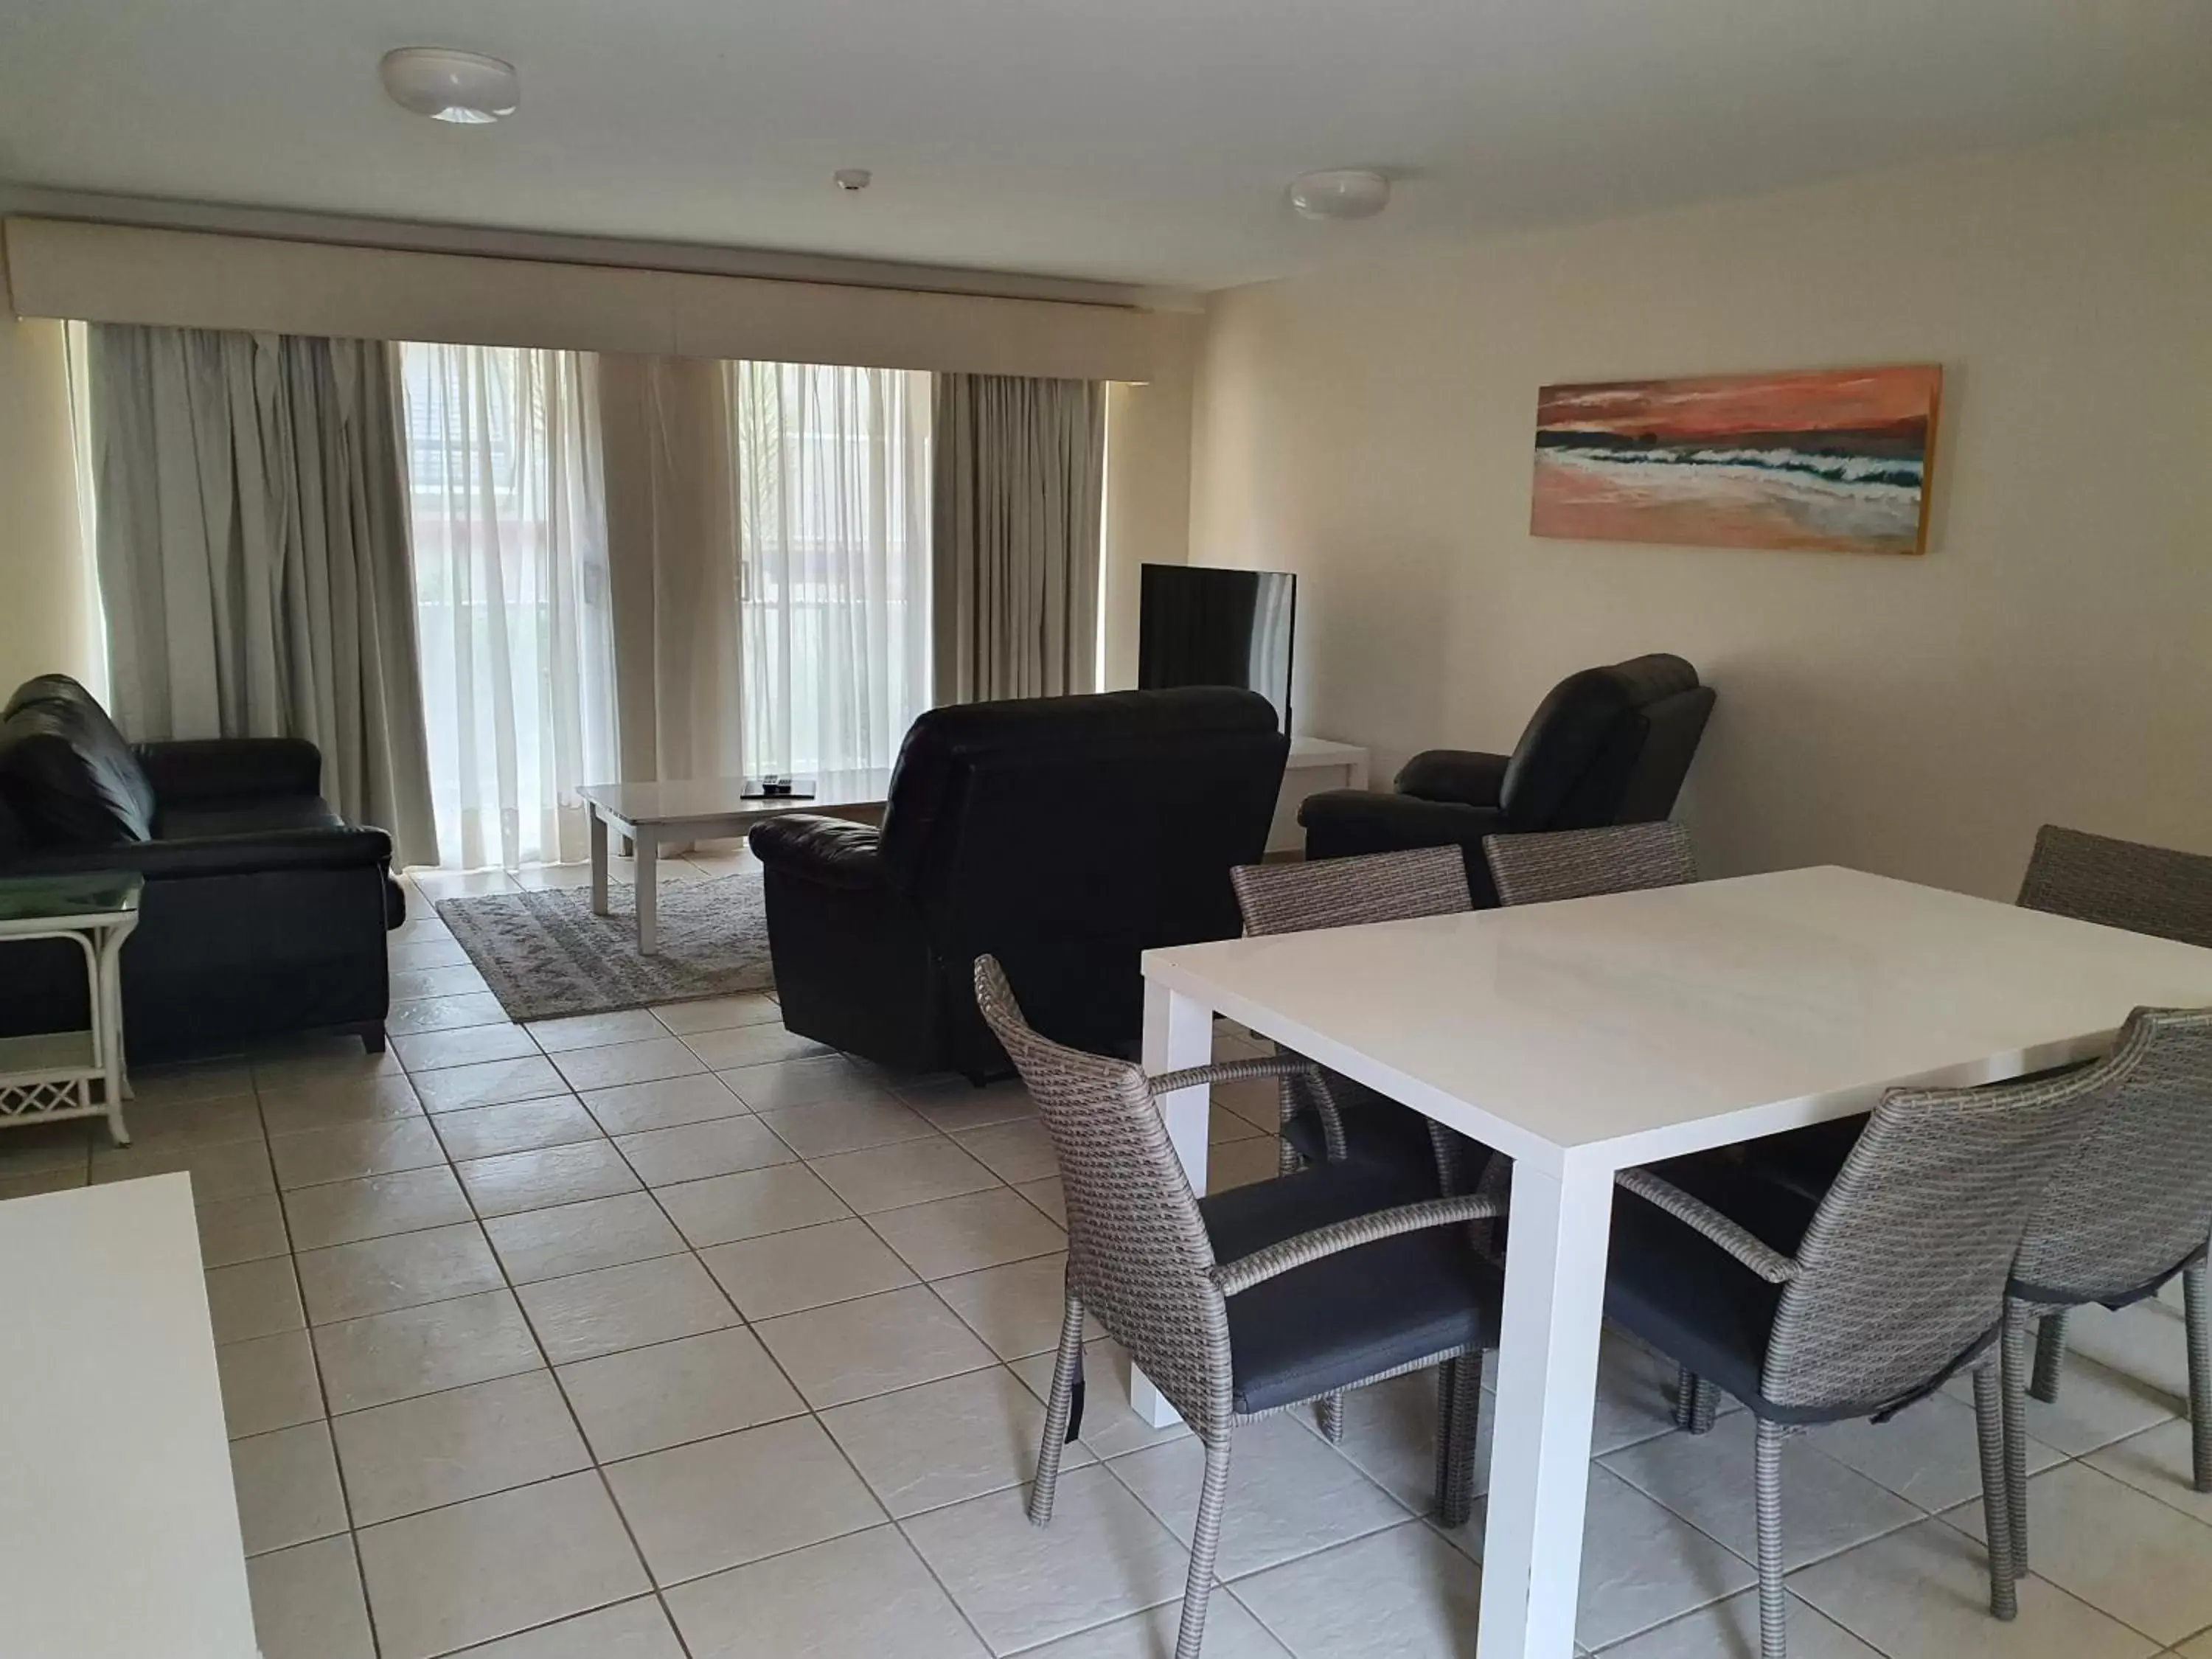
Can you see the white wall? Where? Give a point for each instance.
(46, 621)
(2050, 658)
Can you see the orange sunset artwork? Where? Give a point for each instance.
(1829, 459)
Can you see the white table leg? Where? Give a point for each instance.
(109, 1025)
(1532, 1541)
(1178, 1035)
(599, 862)
(648, 906)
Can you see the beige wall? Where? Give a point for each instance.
(45, 620)
(1147, 488)
(2051, 659)
(192, 279)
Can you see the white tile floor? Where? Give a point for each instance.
(657, 1334)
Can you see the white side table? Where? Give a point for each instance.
(1314, 764)
(53, 1075)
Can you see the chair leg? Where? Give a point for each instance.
(2050, 1356)
(1997, 1497)
(1458, 1437)
(1329, 1412)
(2014, 1360)
(1696, 1403)
(1066, 1372)
(2196, 1309)
(1773, 1600)
(1205, 1545)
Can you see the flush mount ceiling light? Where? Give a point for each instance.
(465, 88)
(1340, 193)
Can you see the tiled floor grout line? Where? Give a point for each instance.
(598, 1469)
(323, 1394)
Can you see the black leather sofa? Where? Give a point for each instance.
(1609, 746)
(263, 913)
(1062, 835)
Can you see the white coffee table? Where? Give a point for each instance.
(704, 809)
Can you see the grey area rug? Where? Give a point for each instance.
(545, 955)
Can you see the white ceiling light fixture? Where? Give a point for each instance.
(464, 88)
(1340, 193)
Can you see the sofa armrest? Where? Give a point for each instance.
(188, 772)
(1454, 775)
(1342, 822)
(344, 848)
(834, 852)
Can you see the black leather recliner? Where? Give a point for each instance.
(1063, 835)
(265, 913)
(1609, 746)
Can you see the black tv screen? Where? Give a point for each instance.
(1198, 626)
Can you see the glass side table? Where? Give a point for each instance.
(63, 1074)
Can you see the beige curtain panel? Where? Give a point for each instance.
(252, 546)
(673, 548)
(1019, 475)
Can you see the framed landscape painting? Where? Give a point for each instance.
(1835, 459)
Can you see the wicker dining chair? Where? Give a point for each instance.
(1251, 1301)
(1328, 1117)
(2131, 1209)
(1869, 1299)
(1341, 1119)
(1571, 864)
(2144, 890)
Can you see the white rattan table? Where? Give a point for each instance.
(52, 1075)
(1587, 1036)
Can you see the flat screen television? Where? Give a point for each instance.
(1198, 626)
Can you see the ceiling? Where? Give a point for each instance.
(1130, 140)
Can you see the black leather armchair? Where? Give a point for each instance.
(265, 913)
(1062, 835)
(1609, 746)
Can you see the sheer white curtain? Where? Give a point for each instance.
(833, 482)
(512, 598)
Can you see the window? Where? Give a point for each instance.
(832, 482)
(511, 592)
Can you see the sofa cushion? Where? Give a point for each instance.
(251, 817)
(66, 769)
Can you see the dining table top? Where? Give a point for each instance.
(1632, 1026)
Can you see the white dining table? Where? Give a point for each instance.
(1587, 1037)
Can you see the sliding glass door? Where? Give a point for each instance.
(512, 598)
(828, 470)
(832, 473)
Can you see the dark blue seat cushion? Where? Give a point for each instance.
(1350, 1316)
(1681, 1294)
(1380, 1135)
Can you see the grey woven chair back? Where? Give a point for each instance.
(1297, 898)
(2135, 1201)
(1139, 1257)
(2120, 883)
(1580, 863)
(1903, 1271)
